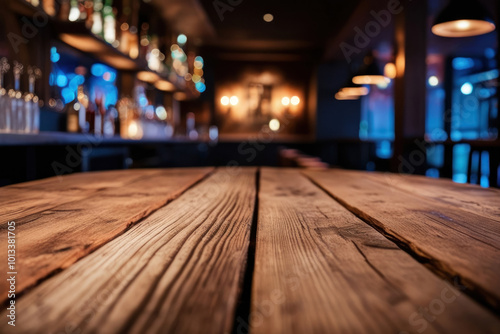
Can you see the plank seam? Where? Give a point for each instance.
(242, 312)
(473, 291)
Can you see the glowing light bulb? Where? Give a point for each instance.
(234, 100)
(274, 124)
(285, 101)
(467, 88)
(433, 81)
(295, 100)
(181, 39)
(390, 70)
(268, 17)
(224, 100)
(462, 24)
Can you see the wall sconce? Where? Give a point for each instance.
(229, 102)
(463, 18)
(286, 101)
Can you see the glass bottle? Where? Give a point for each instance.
(109, 124)
(64, 10)
(97, 25)
(71, 111)
(89, 10)
(31, 108)
(4, 98)
(83, 100)
(17, 103)
(74, 11)
(90, 117)
(109, 22)
(99, 114)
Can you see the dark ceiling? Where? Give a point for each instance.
(298, 26)
(301, 30)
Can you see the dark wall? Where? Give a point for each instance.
(335, 119)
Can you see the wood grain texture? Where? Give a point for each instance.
(319, 269)
(177, 271)
(52, 236)
(23, 199)
(456, 243)
(472, 198)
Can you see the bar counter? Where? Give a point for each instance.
(241, 249)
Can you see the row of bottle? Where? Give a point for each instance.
(86, 116)
(101, 18)
(19, 111)
(91, 116)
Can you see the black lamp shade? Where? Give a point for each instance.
(352, 89)
(370, 74)
(463, 18)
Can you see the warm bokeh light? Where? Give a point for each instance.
(353, 91)
(165, 86)
(268, 17)
(370, 79)
(463, 28)
(274, 124)
(343, 96)
(134, 130)
(147, 76)
(234, 100)
(390, 70)
(285, 101)
(295, 100)
(180, 96)
(224, 100)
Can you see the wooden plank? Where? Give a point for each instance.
(472, 198)
(178, 271)
(457, 244)
(319, 269)
(27, 198)
(54, 238)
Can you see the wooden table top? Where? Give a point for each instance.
(238, 250)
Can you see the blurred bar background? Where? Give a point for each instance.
(400, 86)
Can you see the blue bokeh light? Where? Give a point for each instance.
(200, 87)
